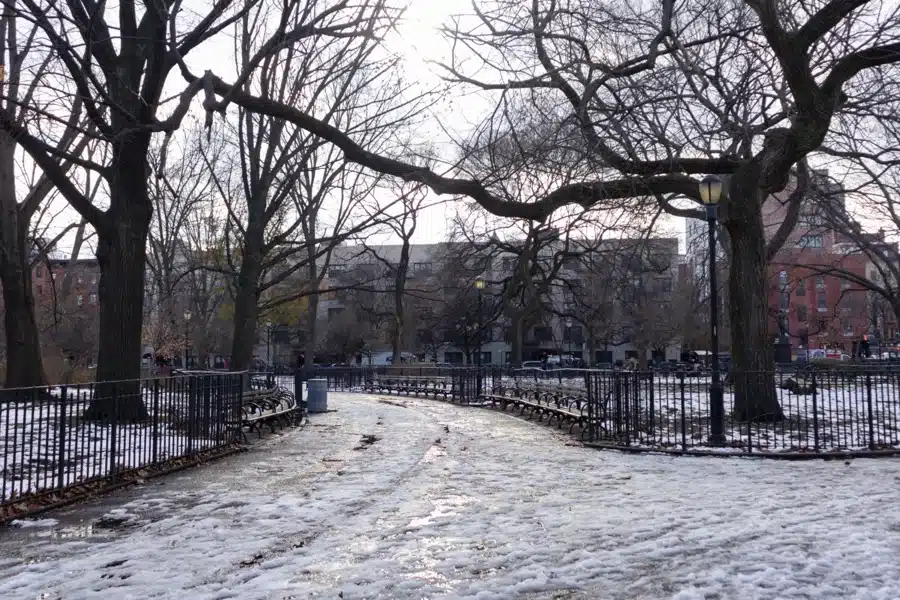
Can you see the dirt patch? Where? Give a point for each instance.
(392, 403)
(366, 441)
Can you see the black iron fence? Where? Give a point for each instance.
(56, 437)
(462, 382)
(817, 411)
(812, 411)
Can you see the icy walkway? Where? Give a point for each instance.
(494, 508)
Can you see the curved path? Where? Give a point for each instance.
(405, 498)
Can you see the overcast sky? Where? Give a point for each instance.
(419, 41)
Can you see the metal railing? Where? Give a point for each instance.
(56, 437)
(812, 411)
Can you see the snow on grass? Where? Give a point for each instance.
(844, 413)
(456, 502)
(27, 523)
(46, 444)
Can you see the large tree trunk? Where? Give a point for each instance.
(246, 309)
(518, 333)
(312, 310)
(24, 366)
(753, 357)
(121, 253)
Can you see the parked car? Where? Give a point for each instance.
(533, 364)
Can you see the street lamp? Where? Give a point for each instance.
(569, 333)
(187, 322)
(479, 288)
(711, 193)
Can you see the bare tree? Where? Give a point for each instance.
(292, 183)
(118, 64)
(183, 195)
(756, 87)
(20, 85)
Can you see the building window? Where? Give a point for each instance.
(801, 287)
(811, 220)
(93, 281)
(79, 300)
(454, 358)
(845, 285)
(39, 272)
(847, 326)
(573, 334)
(337, 269)
(79, 279)
(542, 334)
(93, 299)
(822, 303)
(40, 290)
(783, 279)
(485, 358)
(810, 241)
(422, 267)
(820, 281)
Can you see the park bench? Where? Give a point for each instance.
(269, 406)
(428, 386)
(568, 405)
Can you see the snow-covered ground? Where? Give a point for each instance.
(410, 499)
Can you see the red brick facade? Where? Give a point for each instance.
(808, 302)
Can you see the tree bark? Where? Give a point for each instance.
(516, 342)
(246, 310)
(24, 363)
(312, 310)
(121, 254)
(753, 359)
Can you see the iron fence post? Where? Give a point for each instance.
(114, 431)
(871, 416)
(683, 412)
(617, 391)
(815, 409)
(627, 415)
(651, 408)
(191, 392)
(154, 422)
(61, 442)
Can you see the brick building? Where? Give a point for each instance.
(810, 305)
(54, 279)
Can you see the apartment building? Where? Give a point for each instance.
(601, 302)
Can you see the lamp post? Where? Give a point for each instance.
(711, 193)
(268, 345)
(187, 321)
(569, 335)
(479, 288)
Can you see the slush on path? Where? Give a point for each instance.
(413, 499)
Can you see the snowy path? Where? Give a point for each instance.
(497, 508)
